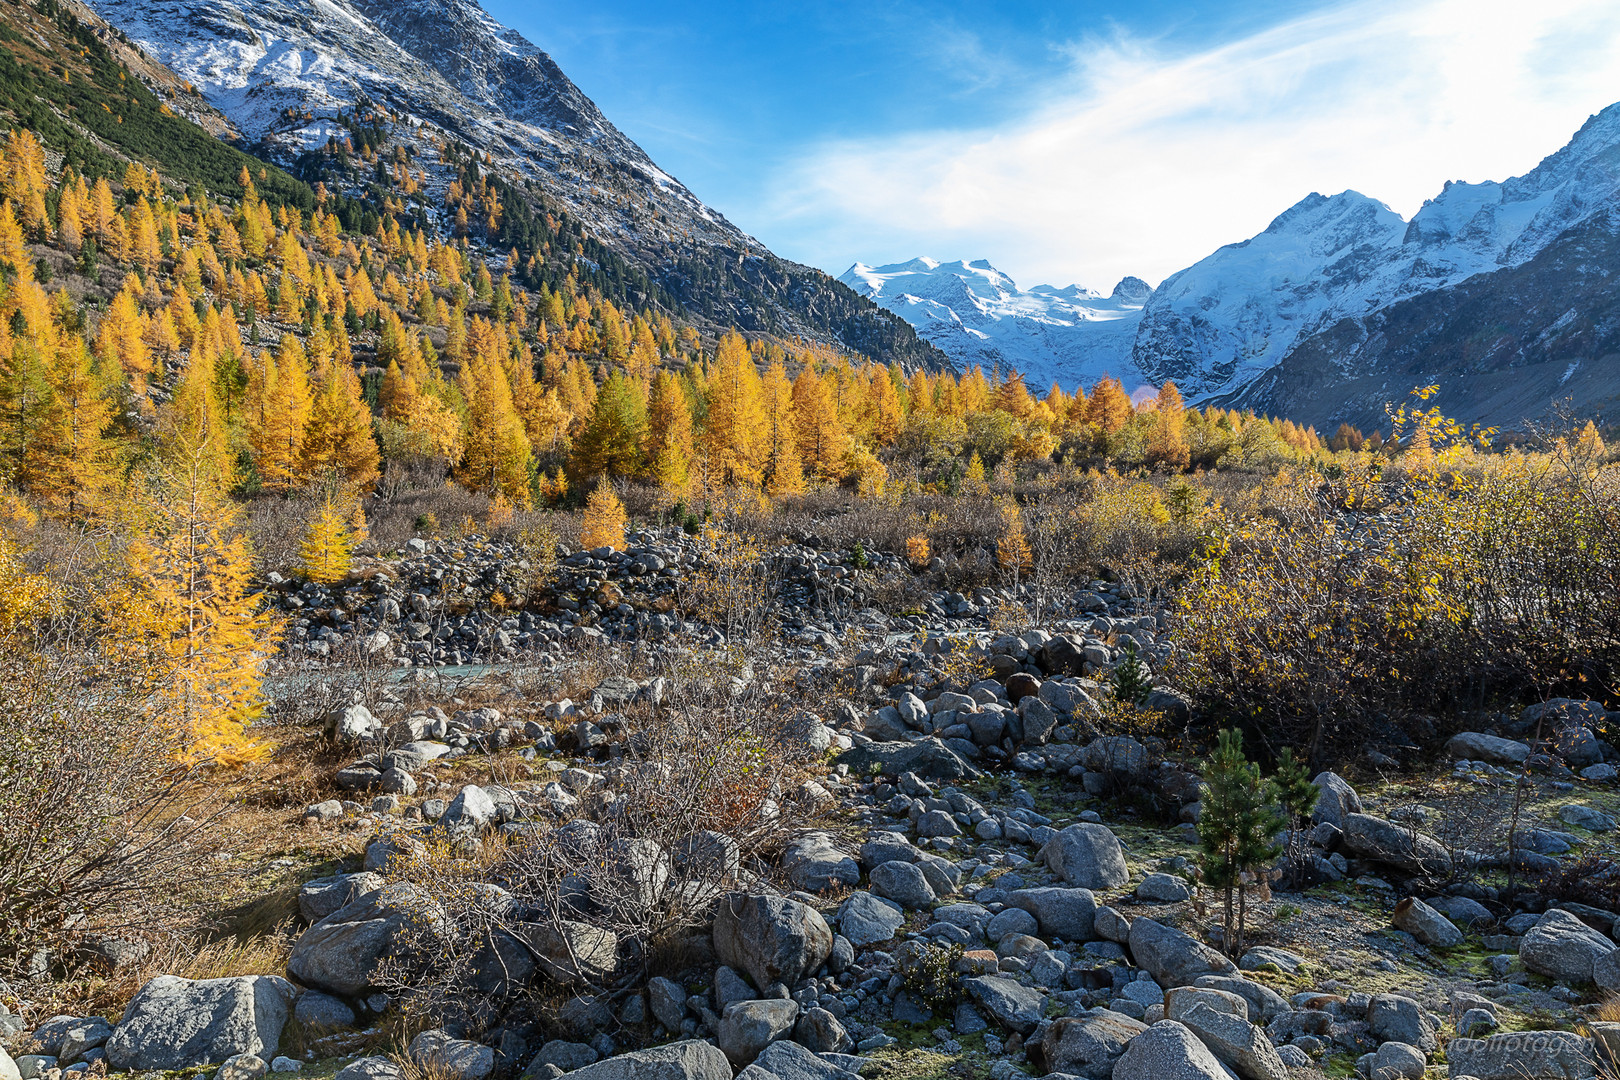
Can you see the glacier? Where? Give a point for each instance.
(975, 314)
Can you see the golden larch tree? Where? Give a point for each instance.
(604, 519)
(735, 432)
(784, 474)
(278, 411)
(823, 441)
(187, 604)
(496, 454)
(338, 435)
(1167, 445)
(327, 551)
(668, 447)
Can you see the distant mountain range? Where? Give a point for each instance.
(292, 75)
(1505, 294)
(976, 314)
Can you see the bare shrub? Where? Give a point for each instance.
(275, 524)
(102, 822)
(699, 799)
(732, 585)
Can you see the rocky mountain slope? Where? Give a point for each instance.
(1312, 299)
(295, 74)
(976, 314)
(95, 102)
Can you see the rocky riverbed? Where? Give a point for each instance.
(975, 872)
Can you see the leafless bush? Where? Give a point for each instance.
(276, 524)
(442, 510)
(698, 801)
(102, 821)
(1471, 824)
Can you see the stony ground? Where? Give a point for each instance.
(977, 873)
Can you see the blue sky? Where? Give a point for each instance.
(1075, 142)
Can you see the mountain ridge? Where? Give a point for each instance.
(294, 75)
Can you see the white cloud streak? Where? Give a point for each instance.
(1142, 162)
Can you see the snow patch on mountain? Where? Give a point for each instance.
(282, 71)
(976, 314)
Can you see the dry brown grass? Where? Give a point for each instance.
(1608, 1010)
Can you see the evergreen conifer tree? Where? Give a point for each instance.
(1297, 796)
(1237, 825)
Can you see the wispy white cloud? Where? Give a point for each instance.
(1143, 161)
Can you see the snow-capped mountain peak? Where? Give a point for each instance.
(1216, 326)
(977, 314)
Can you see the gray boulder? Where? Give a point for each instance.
(322, 1012)
(1562, 947)
(383, 853)
(174, 1023)
(1425, 924)
(690, 1060)
(1394, 845)
(453, 1059)
(904, 883)
(815, 864)
(1168, 1051)
(472, 809)
(1111, 925)
(1269, 957)
(1164, 889)
(1013, 920)
(1119, 755)
(1039, 720)
(319, 898)
(1545, 1055)
(1015, 1007)
(867, 920)
(1173, 958)
(821, 1032)
(1265, 1004)
(747, 1027)
(570, 952)
(1476, 746)
(1179, 999)
(1606, 970)
(1089, 1046)
(1586, 817)
(242, 1067)
(772, 938)
(1089, 856)
(340, 953)
(89, 1034)
(1463, 911)
(787, 1060)
(566, 1056)
(352, 724)
(1235, 1041)
(668, 1001)
(1069, 914)
(1394, 1018)
(1396, 1061)
(1336, 799)
(928, 758)
(371, 1068)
